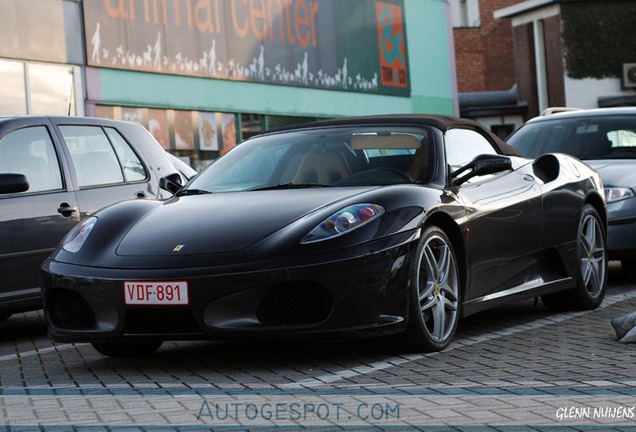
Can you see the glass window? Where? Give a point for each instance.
(51, 89)
(334, 157)
(586, 137)
(12, 92)
(463, 145)
(465, 13)
(30, 151)
(133, 168)
(251, 124)
(622, 138)
(93, 156)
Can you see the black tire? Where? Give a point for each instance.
(434, 302)
(127, 349)
(591, 272)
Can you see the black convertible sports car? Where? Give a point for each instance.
(389, 225)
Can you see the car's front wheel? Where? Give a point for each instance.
(591, 275)
(127, 349)
(435, 294)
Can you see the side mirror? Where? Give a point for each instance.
(171, 183)
(13, 183)
(482, 165)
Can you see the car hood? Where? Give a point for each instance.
(615, 172)
(223, 222)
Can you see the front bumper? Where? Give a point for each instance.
(621, 233)
(357, 297)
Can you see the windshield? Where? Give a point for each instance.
(326, 157)
(598, 137)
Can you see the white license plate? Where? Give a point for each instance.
(156, 293)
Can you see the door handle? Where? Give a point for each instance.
(140, 194)
(66, 210)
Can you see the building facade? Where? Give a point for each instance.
(573, 53)
(485, 63)
(202, 75)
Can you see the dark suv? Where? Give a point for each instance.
(56, 170)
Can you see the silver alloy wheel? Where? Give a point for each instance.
(592, 250)
(438, 288)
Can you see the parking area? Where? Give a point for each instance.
(516, 367)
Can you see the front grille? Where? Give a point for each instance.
(295, 304)
(69, 310)
(153, 320)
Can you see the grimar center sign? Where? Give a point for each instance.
(332, 44)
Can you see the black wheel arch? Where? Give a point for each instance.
(446, 223)
(599, 205)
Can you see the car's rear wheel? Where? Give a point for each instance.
(435, 294)
(127, 349)
(591, 275)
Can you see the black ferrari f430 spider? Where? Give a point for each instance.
(391, 226)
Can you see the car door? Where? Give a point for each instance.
(106, 168)
(32, 222)
(503, 219)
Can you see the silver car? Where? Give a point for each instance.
(605, 138)
(55, 171)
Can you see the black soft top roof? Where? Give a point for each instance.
(441, 122)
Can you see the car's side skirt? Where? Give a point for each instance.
(521, 292)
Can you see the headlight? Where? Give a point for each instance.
(617, 193)
(75, 239)
(344, 221)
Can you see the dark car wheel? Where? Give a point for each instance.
(435, 294)
(127, 349)
(591, 275)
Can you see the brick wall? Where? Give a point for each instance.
(554, 61)
(484, 55)
(525, 67)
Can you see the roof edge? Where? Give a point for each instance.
(521, 8)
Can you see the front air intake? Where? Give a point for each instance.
(300, 303)
(69, 310)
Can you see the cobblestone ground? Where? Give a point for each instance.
(518, 367)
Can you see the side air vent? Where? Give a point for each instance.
(546, 168)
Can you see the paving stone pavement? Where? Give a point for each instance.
(518, 367)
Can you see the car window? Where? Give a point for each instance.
(337, 157)
(586, 137)
(622, 137)
(463, 145)
(99, 160)
(258, 166)
(30, 151)
(133, 168)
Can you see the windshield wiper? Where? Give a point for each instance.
(289, 186)
(193, 192)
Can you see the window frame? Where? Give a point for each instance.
(102, 128)
(48, 136)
